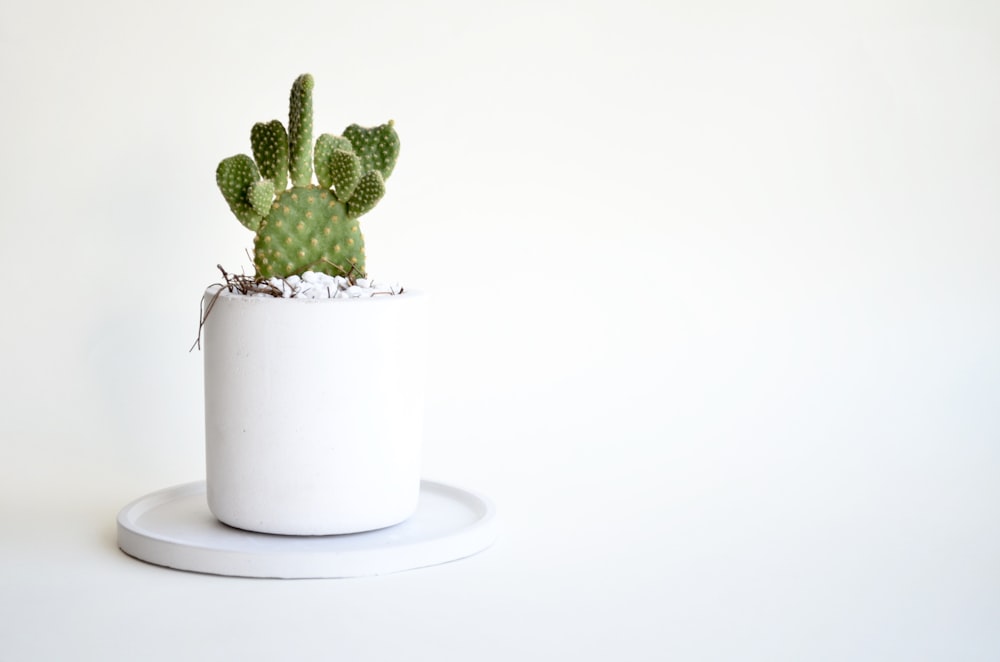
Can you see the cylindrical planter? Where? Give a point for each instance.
(313, 411)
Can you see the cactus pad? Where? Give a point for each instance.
(326, 145)
(270, 150)
(235, 176)
(345, 172)
(369, 191)
(377, 147)
(260, 194)
(308, 227)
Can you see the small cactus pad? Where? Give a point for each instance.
(326, 145)
(260, 194)
(345, 171)
(270, 150)
(377, 147)
(234, 176)
(300, 120)
(369, 191)
(308, 229)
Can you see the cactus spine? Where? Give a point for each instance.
(308, 226)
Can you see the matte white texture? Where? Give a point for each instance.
(313, 411)
(173, 528)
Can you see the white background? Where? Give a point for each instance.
(716, 320)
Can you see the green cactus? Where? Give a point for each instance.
(308, 227)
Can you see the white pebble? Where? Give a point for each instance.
(316, 285)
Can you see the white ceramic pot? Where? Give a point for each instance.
(314, 411)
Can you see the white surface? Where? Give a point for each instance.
(752, 415)
(314, 411)
(174, 528)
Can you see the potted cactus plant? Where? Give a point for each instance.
(313, 406)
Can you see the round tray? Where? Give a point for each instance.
(173, 527)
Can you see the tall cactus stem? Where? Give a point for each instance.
(300, 126)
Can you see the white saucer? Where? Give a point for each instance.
(174, 528)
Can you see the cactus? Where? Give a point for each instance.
(308, 226)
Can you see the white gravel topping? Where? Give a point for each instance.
(313, 285)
